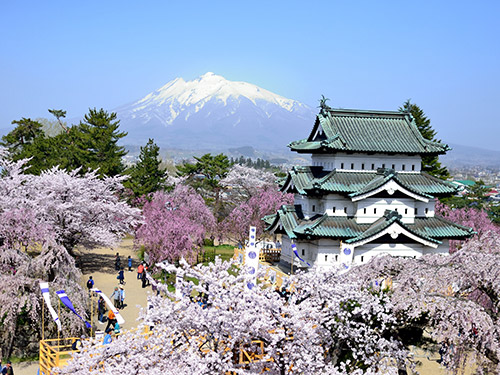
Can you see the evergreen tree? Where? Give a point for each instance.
(24, 134)
(98, 143)
(146, 176)
(205, 176)
(430, 164)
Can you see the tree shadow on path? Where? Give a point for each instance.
(94, 262)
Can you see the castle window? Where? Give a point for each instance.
(413, 167)
(364, 210)
(336, 258)
(303, 252)
(373, 166)
(383, 165)
(345, 210)
(362, 258)
(326, 258)
(426, 210)
(403, 167)
(352, 165)
(374, 210)
(416, 211)
(394, 166)
(363, 166)
(333, 209)
(406, 211)
(341, 165)
(314, 208)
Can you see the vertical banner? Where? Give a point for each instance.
(119, 318)
(66, 301)
(46, 296)
(294, 249)
(251, 259)
(346, 255)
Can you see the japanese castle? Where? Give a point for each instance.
(364, 193)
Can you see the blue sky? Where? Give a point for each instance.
(444, 55)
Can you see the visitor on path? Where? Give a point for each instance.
(101, 309)
(90, 283)
(117, 262)
(117, 328)
(107, 339)
(2, 368)
(121, 276)
(144, 278)
(8, 369)
(122, 296)
(115, 297)
(129, 261)
(140, 270)
(111, 320)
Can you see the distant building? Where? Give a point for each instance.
(363, 194)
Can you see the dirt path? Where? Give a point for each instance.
(100, 264)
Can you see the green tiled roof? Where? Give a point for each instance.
(367, 131)
(308, 179)
(386, 221)
(344, 228)
(438, 227)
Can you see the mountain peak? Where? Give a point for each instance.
(211, 101)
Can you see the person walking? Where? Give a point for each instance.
(111, 320)
(140, 270)
(121, 276)
(144, 277)
(90, 283)
(115, 297)
(100, 309)
(129, 262)
(8, 369)
(117, 262)
(122, 296)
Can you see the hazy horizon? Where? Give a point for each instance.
(368, 55)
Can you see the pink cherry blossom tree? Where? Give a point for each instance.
(468, 217)
(327, 326)
(175, 224)
(242, 183)
(455, 299)
(42, 219)
(265, 201)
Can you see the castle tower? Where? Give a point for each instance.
(364, 193)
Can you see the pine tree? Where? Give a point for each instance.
(97, 143)
(430, 164)
(146, 176)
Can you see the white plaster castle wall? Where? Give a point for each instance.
(286, 248)
(371, 209)
(324, 253)
(443, 248)
(364, 162)
(425, 209)
(337, 205)
(310, 206)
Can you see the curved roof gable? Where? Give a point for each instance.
(367, 131)
(304, 180)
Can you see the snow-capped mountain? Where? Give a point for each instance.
(212, 112)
